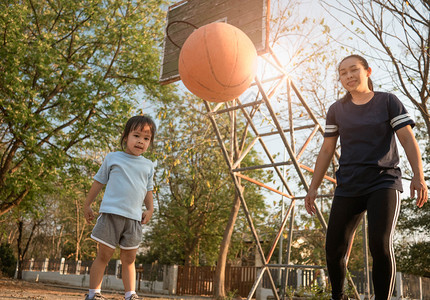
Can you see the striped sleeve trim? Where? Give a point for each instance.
(331, 128)
(400, 119)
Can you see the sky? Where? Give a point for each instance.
(313, 9)
(339, 26)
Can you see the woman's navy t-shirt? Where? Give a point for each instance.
(369, 156)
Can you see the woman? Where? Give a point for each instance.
(368, 178)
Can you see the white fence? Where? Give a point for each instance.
(155, 279)
(161, 279)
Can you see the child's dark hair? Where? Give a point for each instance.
(365, 64)
(138, 122)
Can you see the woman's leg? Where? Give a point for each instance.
(128, 258)
(382, 212)
(345, 215)
(98, 267)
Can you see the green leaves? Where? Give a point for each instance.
(69, 76)
(195, 191)
(413, 246)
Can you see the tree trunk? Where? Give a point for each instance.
(78, 230)
(18, 244)
(219, 284)
(21, 251)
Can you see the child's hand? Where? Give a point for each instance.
(146, 216)
(88, 213)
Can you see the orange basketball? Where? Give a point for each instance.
(217, 62)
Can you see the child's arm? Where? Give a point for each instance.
(92, 194)
(149, 204)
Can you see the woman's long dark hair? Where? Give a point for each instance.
(365, 64)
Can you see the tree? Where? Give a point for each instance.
(69, 76)
(61, 228)
(237, 137)
(306, 51)
(195, 190)
(398, 35)
(413, 245)
(7, 260)
(188, 178)
(23, 242)
(54, 228)
(71, 190)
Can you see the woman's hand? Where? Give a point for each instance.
(419, 186)
(409, 143)
(310, 201)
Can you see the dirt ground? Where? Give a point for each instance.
(19, 289)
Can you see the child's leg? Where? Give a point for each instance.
(128, 258)
(98, 267)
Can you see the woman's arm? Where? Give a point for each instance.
(418, 184)
(321, 165)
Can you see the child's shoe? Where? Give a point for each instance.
(133, 297)
(97, 296)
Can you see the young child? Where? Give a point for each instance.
(129, 182)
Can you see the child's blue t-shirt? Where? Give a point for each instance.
(128, 178)
(369, 156)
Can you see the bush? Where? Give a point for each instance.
(7, 260)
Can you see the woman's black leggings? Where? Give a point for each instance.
(382, 208)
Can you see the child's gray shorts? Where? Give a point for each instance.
(112, 230)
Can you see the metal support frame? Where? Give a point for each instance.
(234, 159)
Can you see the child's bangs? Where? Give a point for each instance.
(139, 125)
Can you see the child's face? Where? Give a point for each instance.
(138, 141)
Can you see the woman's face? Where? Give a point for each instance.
(353, 76)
